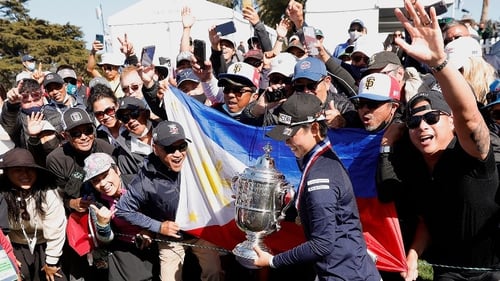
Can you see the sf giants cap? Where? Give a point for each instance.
(168, 132)
(378, 87)
(297, 110)
(240, 74)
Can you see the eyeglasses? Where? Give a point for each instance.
(126, 115)
(88, 131)
(108, 67)
(310, 86)
(173, 148)
(236, 90)
(279, 80)
(431, 118)
(132, 87)
(495, 114)
(371, 104)
(110, 111)
(359, 58)
(355, 29)
(450, 39)
(35, 95)
(22, 206)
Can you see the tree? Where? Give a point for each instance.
(51, 44)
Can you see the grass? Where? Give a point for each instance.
(425, 270)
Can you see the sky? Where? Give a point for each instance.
(83, 12)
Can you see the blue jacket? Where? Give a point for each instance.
(330, 217)
(152, 197)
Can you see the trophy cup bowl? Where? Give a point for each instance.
(261, 193)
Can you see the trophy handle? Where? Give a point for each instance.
(286, 199)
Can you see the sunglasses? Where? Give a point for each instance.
(361, 103)
(279, 80)
(126, 115)
(110, 111)
(22, 206)
(431, 118)
(495, 114)
(355, 29)
(236, 90)
(173, 148)
(132, 87)
(359, 58)
(448, 40)
(107, 67)
(88, 130)
(310, 86)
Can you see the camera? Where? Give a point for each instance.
(276, 95)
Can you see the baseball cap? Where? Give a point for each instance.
(461, 49)
(435, 99)
(283, 63)
(294, 42)
(382, 59)
(367, 45)
(168, 132)
(129, 102)
(318, 32)
(67, 73)
(96, 164)
(185, 55)
(74, 117)
(27, 58)
(298, 109)
(186, 75)
(46, 126)
(346, 52)
(240, 74)
(357, 21)
(227, 39)
(378, 87)
(310, 68)
(52, 78)
(116, 59)
(254, 54)
(99, 80)
(162, 66)
(493, 97)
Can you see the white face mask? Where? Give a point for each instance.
(353, 35)
(30, 66)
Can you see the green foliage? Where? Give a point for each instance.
(425, 271)
(51, 44)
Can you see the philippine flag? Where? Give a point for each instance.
(222, 148)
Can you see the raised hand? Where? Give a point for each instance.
(188, 19)
(34, 123)
(127, 48)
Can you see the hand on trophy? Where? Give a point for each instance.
(170, 228)
(263, 258)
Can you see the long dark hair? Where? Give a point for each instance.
(14, 195)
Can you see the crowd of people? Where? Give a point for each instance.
(109, 151)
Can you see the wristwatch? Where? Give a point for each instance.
(385, 149)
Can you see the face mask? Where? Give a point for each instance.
(31, 66)
(30, 110)
(70, 89)
(353, 35)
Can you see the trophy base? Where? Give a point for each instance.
(245, 254)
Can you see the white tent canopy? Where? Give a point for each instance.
(152, 22)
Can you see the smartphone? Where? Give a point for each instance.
(247, 3)
(225, 28)
(310, 40)
(439, 6)
(200, 52)
(147, 55)
(100, 38)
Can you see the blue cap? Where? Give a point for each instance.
(310, 68)
(186, 75)
(358, 21)
(494, 92)
(27, 58)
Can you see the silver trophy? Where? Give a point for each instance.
(261, 193)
